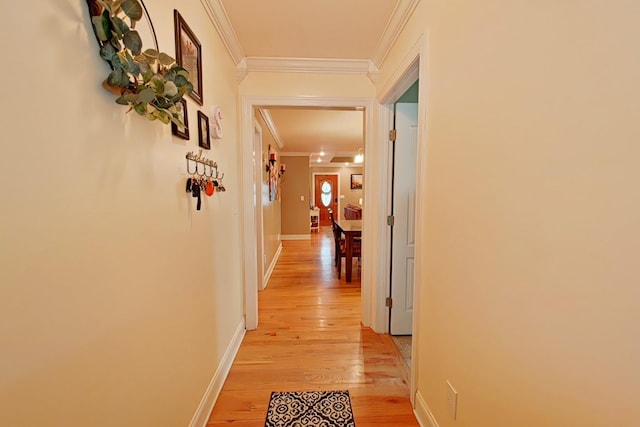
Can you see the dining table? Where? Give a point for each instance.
(351, 228)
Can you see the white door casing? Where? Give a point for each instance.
(370, 284)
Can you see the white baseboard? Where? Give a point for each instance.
(267, 276)
(296, 237)
(423, 413)
(203, 412)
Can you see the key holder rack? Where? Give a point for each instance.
(205, 182)
(202, 162)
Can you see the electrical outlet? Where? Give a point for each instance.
(452, 400)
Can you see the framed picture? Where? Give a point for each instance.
(203, 131)
(356, 181)
(189, 54)
(182, 132)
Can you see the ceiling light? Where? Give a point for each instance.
(319, 160)
(359, 158)
(322, 153)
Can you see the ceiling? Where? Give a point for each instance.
(341, 35)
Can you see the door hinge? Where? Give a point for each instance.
(388, 302)
(391, 220)
(392, 135)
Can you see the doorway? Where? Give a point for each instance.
(326, 194)
(250, 251)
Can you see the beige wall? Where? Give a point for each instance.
(117, 298)
(295, 212)
(531, 298)
(271, 209)
(347, 195)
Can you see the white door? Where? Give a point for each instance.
(404, 213)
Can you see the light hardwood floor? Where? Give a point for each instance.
(310, 338)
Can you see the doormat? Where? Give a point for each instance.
(310, 408)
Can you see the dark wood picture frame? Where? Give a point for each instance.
(184, 132)
(189, 55)
(203, 131)
(356, 181)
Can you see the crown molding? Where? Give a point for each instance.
(266, 115)
(309, 65)
(401, 15)
(220, 20)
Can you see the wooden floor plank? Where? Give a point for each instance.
(310, 338)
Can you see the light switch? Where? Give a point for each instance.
(302, 198)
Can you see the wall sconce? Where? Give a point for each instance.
(271, 167)
(359, 158)
(274, 175)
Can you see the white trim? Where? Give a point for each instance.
(310, 65)
(423, 413)
(257, 148)
(266, 115)
(248, 103)
(210, 397)
(412, 68)
(220, 20)
(296, 237)
(274, 261)
(396, 24)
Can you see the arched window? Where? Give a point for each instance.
(327, 193)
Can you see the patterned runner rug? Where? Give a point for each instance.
(310, 408)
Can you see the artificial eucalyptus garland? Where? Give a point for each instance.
(148, 81)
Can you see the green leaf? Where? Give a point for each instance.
(133, 42)
(132, 67)
(158, 85)
(181, 81)
(120, 26)
(151, 53)
(132, 9)
(103, 32)
(131, 98)
(166, 60)
(146, 96)
(140, 109)
(118, 78)
(122, 100)
(170, 89)
(107, 52)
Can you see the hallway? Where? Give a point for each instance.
(310, 338)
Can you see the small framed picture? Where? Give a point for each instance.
(189, 54)
(356, 181)
(179, 131)
(203, 131)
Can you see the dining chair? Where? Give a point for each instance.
(341, 246)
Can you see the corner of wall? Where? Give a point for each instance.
(202, 414)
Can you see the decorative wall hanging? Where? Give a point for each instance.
(273, 174)
(147, 80)
(356, 181)
(182, 131)
(216, 122)
(189, 55)
(203, 131)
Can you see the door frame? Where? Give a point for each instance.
(257, 153)
(313, 187)
(413, 67)
(369, 254)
